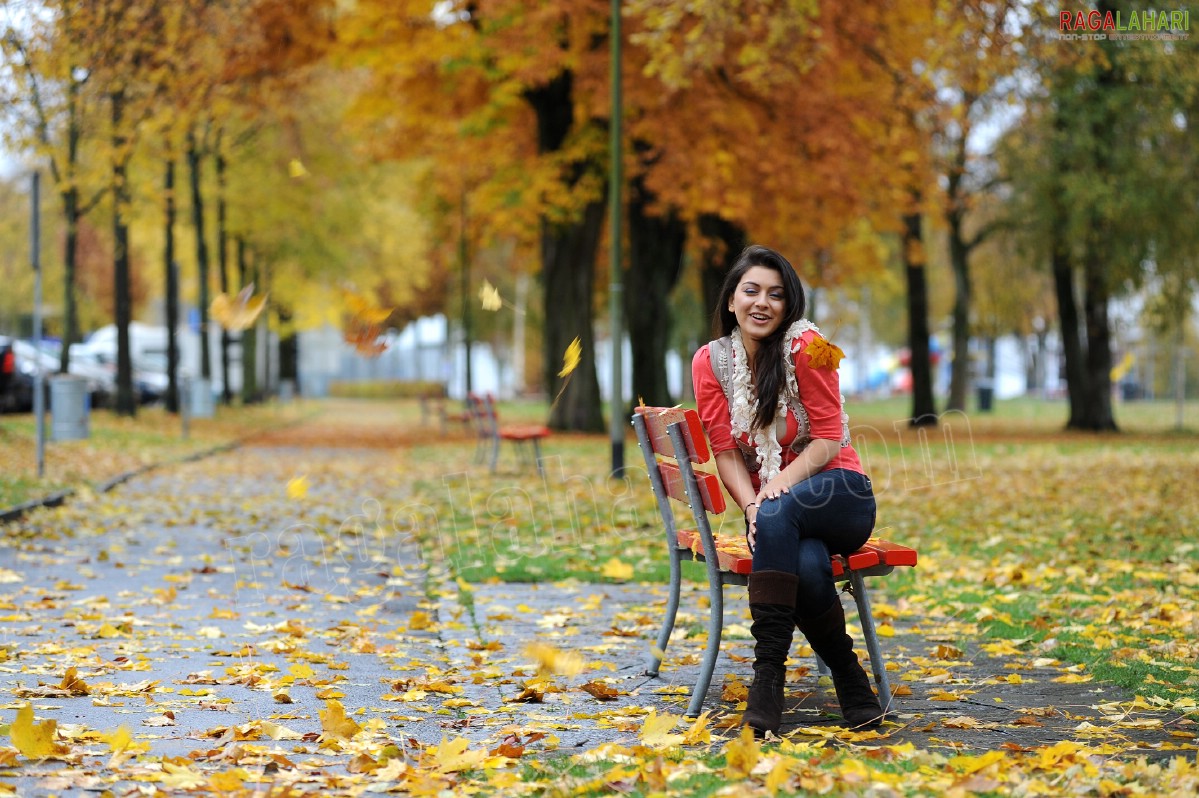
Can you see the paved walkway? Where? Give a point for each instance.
(216, 613)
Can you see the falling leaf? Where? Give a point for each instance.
(297, 488)
(34, 740)
(824, 355)
(237, 313)
(364, 310)
(296, 170)
(551, 660)
(490, 295)
(570, 360)
(617, 570)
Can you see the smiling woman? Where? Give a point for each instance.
(770, 399)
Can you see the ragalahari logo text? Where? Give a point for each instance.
(1171, 25)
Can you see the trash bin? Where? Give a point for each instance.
(70, 406)
(200, 398)
(986, 396)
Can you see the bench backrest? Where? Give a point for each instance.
(692, 447)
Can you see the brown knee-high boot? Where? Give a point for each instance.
(772, 607)
(826, 634)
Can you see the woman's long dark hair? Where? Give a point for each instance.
(768, 364)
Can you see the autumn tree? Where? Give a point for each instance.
(53, 112)
(1098, 171)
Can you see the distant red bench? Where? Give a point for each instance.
(672, 439)
(491, 432)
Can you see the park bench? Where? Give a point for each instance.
(672, 440)
(435, 404)
(526, 438)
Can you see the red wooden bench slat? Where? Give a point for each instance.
(709, 487)
(657, 419)
(523, 433)
(864, 557)
(893, 553)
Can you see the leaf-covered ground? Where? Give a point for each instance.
(349, 606)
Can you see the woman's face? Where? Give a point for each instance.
(759, 303)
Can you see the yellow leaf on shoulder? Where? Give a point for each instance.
(824, 355)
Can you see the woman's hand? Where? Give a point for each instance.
(751, 525)
(773, 489)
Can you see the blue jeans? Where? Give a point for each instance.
(832, 512)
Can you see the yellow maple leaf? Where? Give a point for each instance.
(699, 734)
(657, 732)
(335, 724)
(301, 671)
(551, 660)
(181, 777)
(490, 296)
(72, 683)
(34, 740)
(618, 570)
(455, 755)
(295, 168)
(239, 312)
(297, 487)
(741, 755)
(570, 360)
(119, 740)
(824, 355)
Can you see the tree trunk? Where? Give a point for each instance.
(722, 241)
(70, 315)
(655, 263)
(568, 253)
(924, 411)
(222, 258)
(172, 291)
(71, 214)
(1077, 384)
(249, 336)
(959, 257)
(193, 163)
(1097, 405)
(289, 349)
(126, 404)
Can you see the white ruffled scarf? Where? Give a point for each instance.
(745, 400)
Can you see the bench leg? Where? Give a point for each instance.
(495, 453)
(537, 457)
(866, 618)
(672, 609)
(715, 627)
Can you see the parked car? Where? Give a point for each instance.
(8, 370)
(101, 385)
